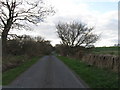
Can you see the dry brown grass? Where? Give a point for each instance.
(11, 61)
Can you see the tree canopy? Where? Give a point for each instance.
(76, 34)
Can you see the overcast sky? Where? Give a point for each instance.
(103, 15)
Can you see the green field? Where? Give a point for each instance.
(93, 76)
(105, 50)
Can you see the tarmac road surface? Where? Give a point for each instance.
(48, 72)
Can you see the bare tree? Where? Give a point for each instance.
(76, 34)
(12, 12)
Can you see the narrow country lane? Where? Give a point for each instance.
(48, 72)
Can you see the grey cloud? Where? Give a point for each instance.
(112, 25)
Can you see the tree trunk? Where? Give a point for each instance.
(4, 42)
(4, 36)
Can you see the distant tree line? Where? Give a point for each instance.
(27, 45)
(117, 44)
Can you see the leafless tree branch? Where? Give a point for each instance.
(76, 34)
(14, 11)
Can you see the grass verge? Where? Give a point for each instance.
(11, 74)
(93, 76)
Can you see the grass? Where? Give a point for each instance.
(11, 74)
(105, 50)
(94, 77)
